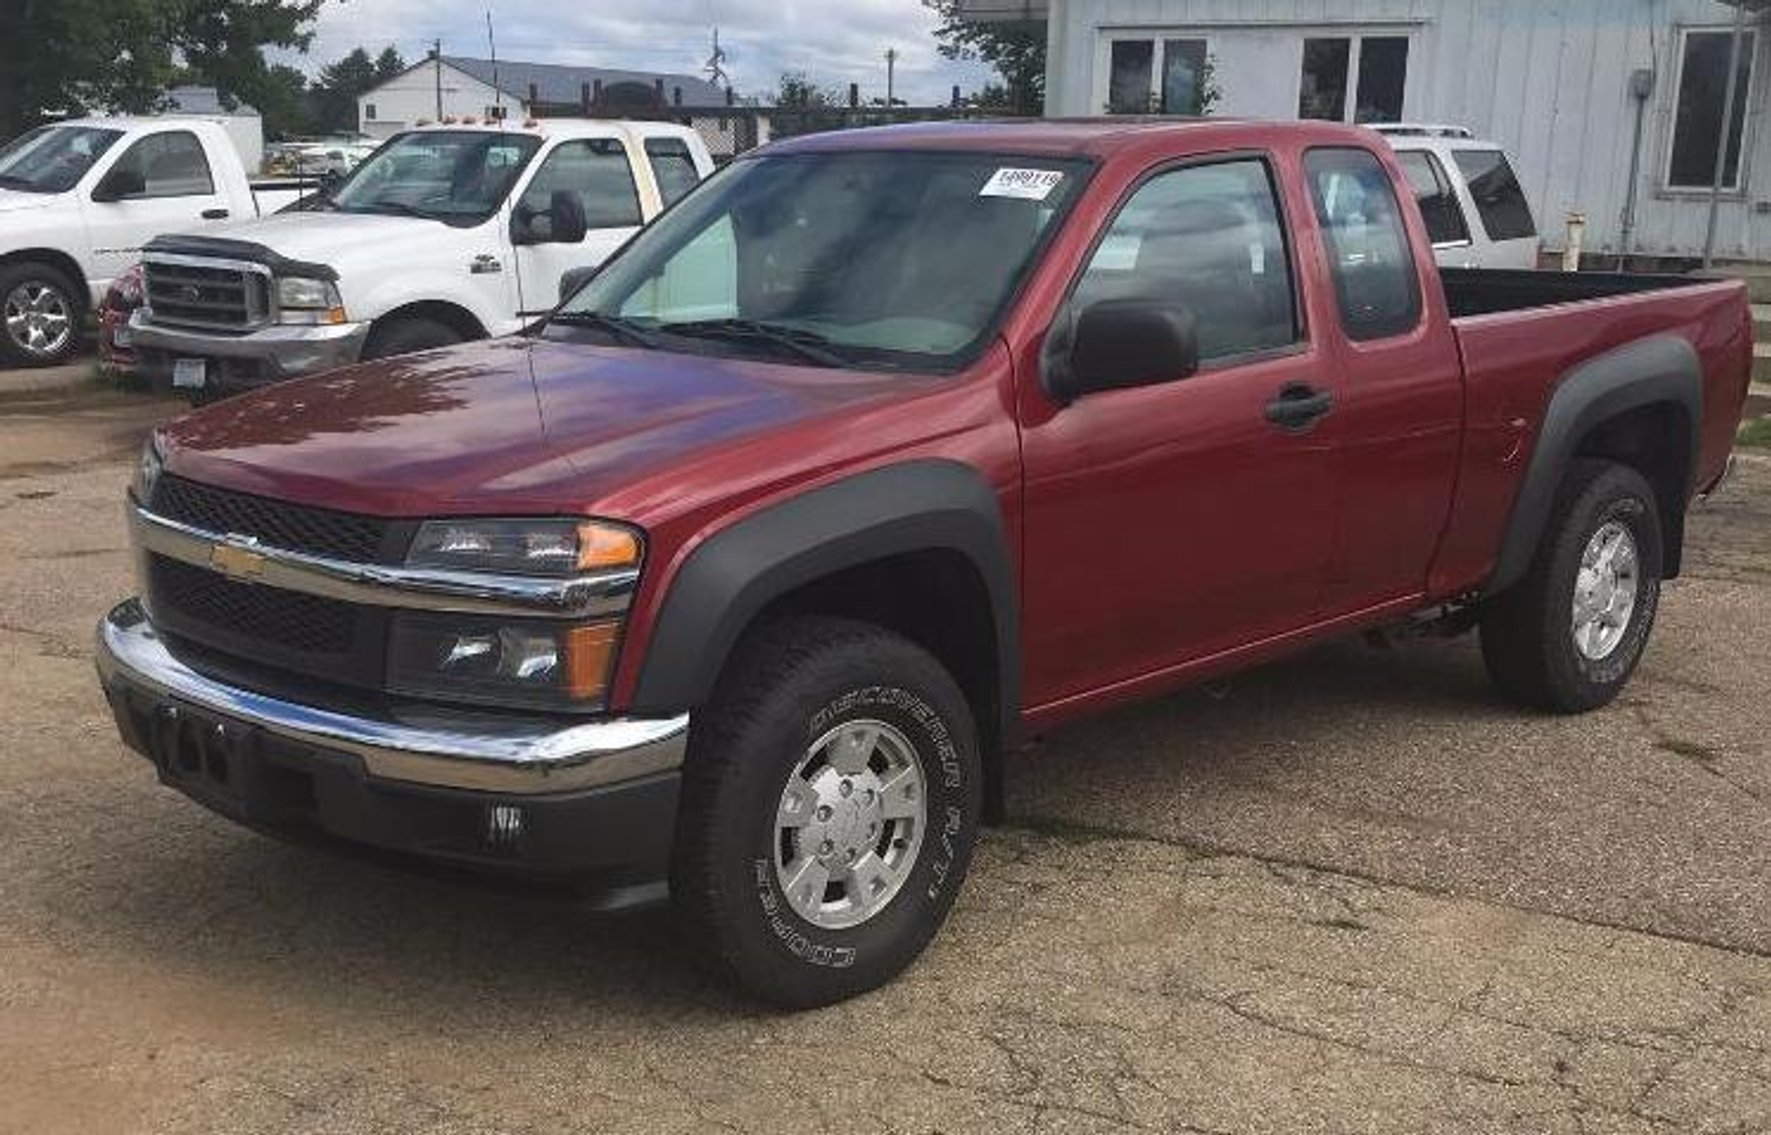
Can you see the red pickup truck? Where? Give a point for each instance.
(735, 581)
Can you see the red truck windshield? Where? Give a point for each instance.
(893, 260)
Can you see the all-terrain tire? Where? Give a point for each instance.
(793, 682)
(1529, 636)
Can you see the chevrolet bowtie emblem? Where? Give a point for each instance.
(237, 561)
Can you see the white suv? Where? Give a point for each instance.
(1476, 213)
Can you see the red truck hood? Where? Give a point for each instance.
(513, 426)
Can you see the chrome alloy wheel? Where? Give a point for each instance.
(1605, 591)
(850, 824)
(39, 319)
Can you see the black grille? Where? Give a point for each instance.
(282, 620)
(227, 299)
(278, 524)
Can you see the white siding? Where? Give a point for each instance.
(1548, 79)
(406, 99)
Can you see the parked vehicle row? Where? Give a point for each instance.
(737, 579)
(80, 199)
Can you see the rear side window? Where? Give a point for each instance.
(1433, 193)
(1207, 238)
(673, 167)
(597, 170)
(1496, 192)
(1369, 258)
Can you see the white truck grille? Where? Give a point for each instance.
(216, 295)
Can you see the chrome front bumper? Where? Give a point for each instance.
(422, 745)
(279, 350)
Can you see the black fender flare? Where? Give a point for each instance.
(1657, 369)
(917, 506)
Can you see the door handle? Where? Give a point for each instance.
(215, 214)
(1298, 406)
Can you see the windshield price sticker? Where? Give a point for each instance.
(1027, 184)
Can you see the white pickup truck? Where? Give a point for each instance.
(79, 199)
(446, 233)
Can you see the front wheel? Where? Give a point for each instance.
(404, 336)
(1568, 636)
(41, 315)
(830, 805)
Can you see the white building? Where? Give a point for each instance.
(1558, 82)
(463, 87)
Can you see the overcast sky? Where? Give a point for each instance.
(835, 42)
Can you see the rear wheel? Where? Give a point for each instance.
(830, 804)
(1568, 636)
(404, 336)
(39, 315)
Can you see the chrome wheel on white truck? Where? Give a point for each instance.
(41, 313)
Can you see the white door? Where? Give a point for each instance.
(598, 174)
(160, 184)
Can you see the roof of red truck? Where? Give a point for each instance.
(1093, 137)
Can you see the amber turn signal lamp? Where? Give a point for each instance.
(605, 546)
(590, 655)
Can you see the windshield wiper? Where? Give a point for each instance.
(10, 181)
(397, 208)
(808, 345)
(616, 326)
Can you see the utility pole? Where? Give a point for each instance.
(437, 54)
(891, 58)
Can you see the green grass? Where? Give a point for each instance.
(1756, 433)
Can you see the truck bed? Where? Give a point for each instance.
(1485, 291)
(1522, 332)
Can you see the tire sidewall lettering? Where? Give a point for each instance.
(934, 743)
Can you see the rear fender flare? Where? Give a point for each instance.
(1655, 370)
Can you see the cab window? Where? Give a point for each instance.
(1368, 255)
(1495, 189)
(673, 167)
(1207, 238)
(171, 164)
(597, 171)
(1433, 193)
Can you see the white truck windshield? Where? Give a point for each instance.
(52, 159)
(456, 176)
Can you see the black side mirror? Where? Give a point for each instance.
(575, 278)
(1119, 343)
(121, 182)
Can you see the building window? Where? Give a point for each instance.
(1156, 76)
(1697, 116)
(1374, 68)
(1322, 86)
(369, 112)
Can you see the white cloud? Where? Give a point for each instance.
(835, 42)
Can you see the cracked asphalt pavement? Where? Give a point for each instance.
(1349, 892)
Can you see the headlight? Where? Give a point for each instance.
(147, 471)
(304, 300)
(524, 547)
(529, 662)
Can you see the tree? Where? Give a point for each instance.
(284, 103)
(388, 64)
(337, 88)
(69, 56)
(1015, 49)
(797, 92)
